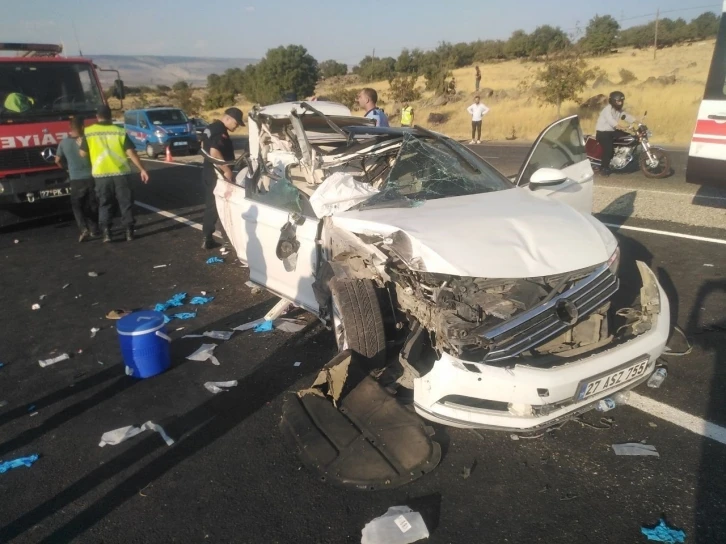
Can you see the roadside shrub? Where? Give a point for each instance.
(626, 76)
(347, 97)
(403, 89)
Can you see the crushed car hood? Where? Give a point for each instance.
(505, 234)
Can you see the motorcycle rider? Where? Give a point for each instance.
(607, 128)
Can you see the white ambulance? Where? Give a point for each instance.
(707, 155)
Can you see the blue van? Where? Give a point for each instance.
(153, 129)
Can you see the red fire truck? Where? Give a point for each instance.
(40, 90)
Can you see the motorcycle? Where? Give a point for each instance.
(630, 147)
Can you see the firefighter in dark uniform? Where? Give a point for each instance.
(217, 143)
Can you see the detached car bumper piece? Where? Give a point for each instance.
(526, 398)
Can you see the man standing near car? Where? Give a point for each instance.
(477, 111)
(217, 144)
(111, 150)
(367, 100)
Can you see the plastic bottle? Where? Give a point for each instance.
(657, 378)
(608, 403)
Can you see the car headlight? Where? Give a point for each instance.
(614, 261)
(159, 133)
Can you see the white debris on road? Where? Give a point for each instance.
(205, 352)
(111, 438)
(48, 362)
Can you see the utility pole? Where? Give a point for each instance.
(657, 18)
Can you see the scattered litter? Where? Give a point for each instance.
(635, 448)
(193, 336)
(204, 293)
(93, 274)
(663, 533)
(250, 325)
(289, 325)
(180, 328)
(265, 326)
(17, 241)
(100, 363)
(219, 387)
(161, 266)
(34, 414)
(214, 260)
(117, 314)
(708, 265)
(255, 288)
(48, 362)
(80, 351)
(201, 300)
(94, 330)
(19, 462)
(657, 378)
(298, 363)
(205, 352)
(466, 473)
(111, 438)
(219, 335)
(41, 297)
(400, 525)
(514, 436)
(651, 424)
(66, 285)
(184, 315)
(224, 250)
(174, 302)
(35, 306)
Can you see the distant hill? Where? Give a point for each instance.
(153, 70)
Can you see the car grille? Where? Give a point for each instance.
(27, 157)
(534, 327)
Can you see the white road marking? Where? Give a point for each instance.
(178, 218)
(668, 233)
(678, 417)
(644, 404)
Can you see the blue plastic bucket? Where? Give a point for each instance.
(144, 343)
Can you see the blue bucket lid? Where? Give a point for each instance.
(139, 323)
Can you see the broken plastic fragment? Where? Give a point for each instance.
(204, 353)
(255, 288)
(66, 285)
(41, 297)
(400, 525)
(298, 363)
(19, 462)
(92, 274)
(48, 362)
(161, 266)
(250, 325)
(111, 438)
(219, 335)
(35, 306)
(289, 325)
(635, 448)
(265, 326)
(219, 387)
(663, 533)
(214, 260)
(94, 330)
(201, 300)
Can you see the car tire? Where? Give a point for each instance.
(358, 320)
(150, 151)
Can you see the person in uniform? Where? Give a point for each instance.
(111, 151)
(217, 144)
(367, 100)
(406, 115)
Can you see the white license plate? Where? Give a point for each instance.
(181, 143)
(52, 193)
(596, 385)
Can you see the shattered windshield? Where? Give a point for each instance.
(427, 169)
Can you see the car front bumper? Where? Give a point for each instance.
(524, 385)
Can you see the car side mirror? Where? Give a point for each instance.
(546, 177)
(118, 91)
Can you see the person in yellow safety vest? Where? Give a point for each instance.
(406, 115)
(110, 150)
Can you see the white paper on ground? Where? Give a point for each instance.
(204, 352)
(94, 330)
(289, 325)
(635, 448)
(218, 387)
(111, 438)
(250, 325)
(219, 335)
(339, 192)
(35, 306)
(400, 525)
(48, 362)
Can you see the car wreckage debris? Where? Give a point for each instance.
(399, 525)
(352, 432)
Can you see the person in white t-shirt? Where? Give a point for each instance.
(477, 111)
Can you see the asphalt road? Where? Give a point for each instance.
(230, 477)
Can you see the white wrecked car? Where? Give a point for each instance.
(497, 296)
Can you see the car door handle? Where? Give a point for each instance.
(718, 117)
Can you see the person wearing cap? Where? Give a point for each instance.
(111, 150)
(217, 144)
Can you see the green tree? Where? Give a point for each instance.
(408, 62)
(163, 89)
(546, 40)
(182, 96)
(403, 88)
(282, 71)
(332, 68)
(601, 35)
(562, 78)
(489, 50)
(704, 26)
(375, 68)
(518, 46)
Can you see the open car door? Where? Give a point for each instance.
(561, 146)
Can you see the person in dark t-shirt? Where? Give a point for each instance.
(217, 144)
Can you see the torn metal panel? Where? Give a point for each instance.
(369, 441)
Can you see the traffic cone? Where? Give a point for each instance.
(168, 154)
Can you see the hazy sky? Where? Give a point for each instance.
(341, 29)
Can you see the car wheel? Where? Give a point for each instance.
(357, 319)
(150, 151)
